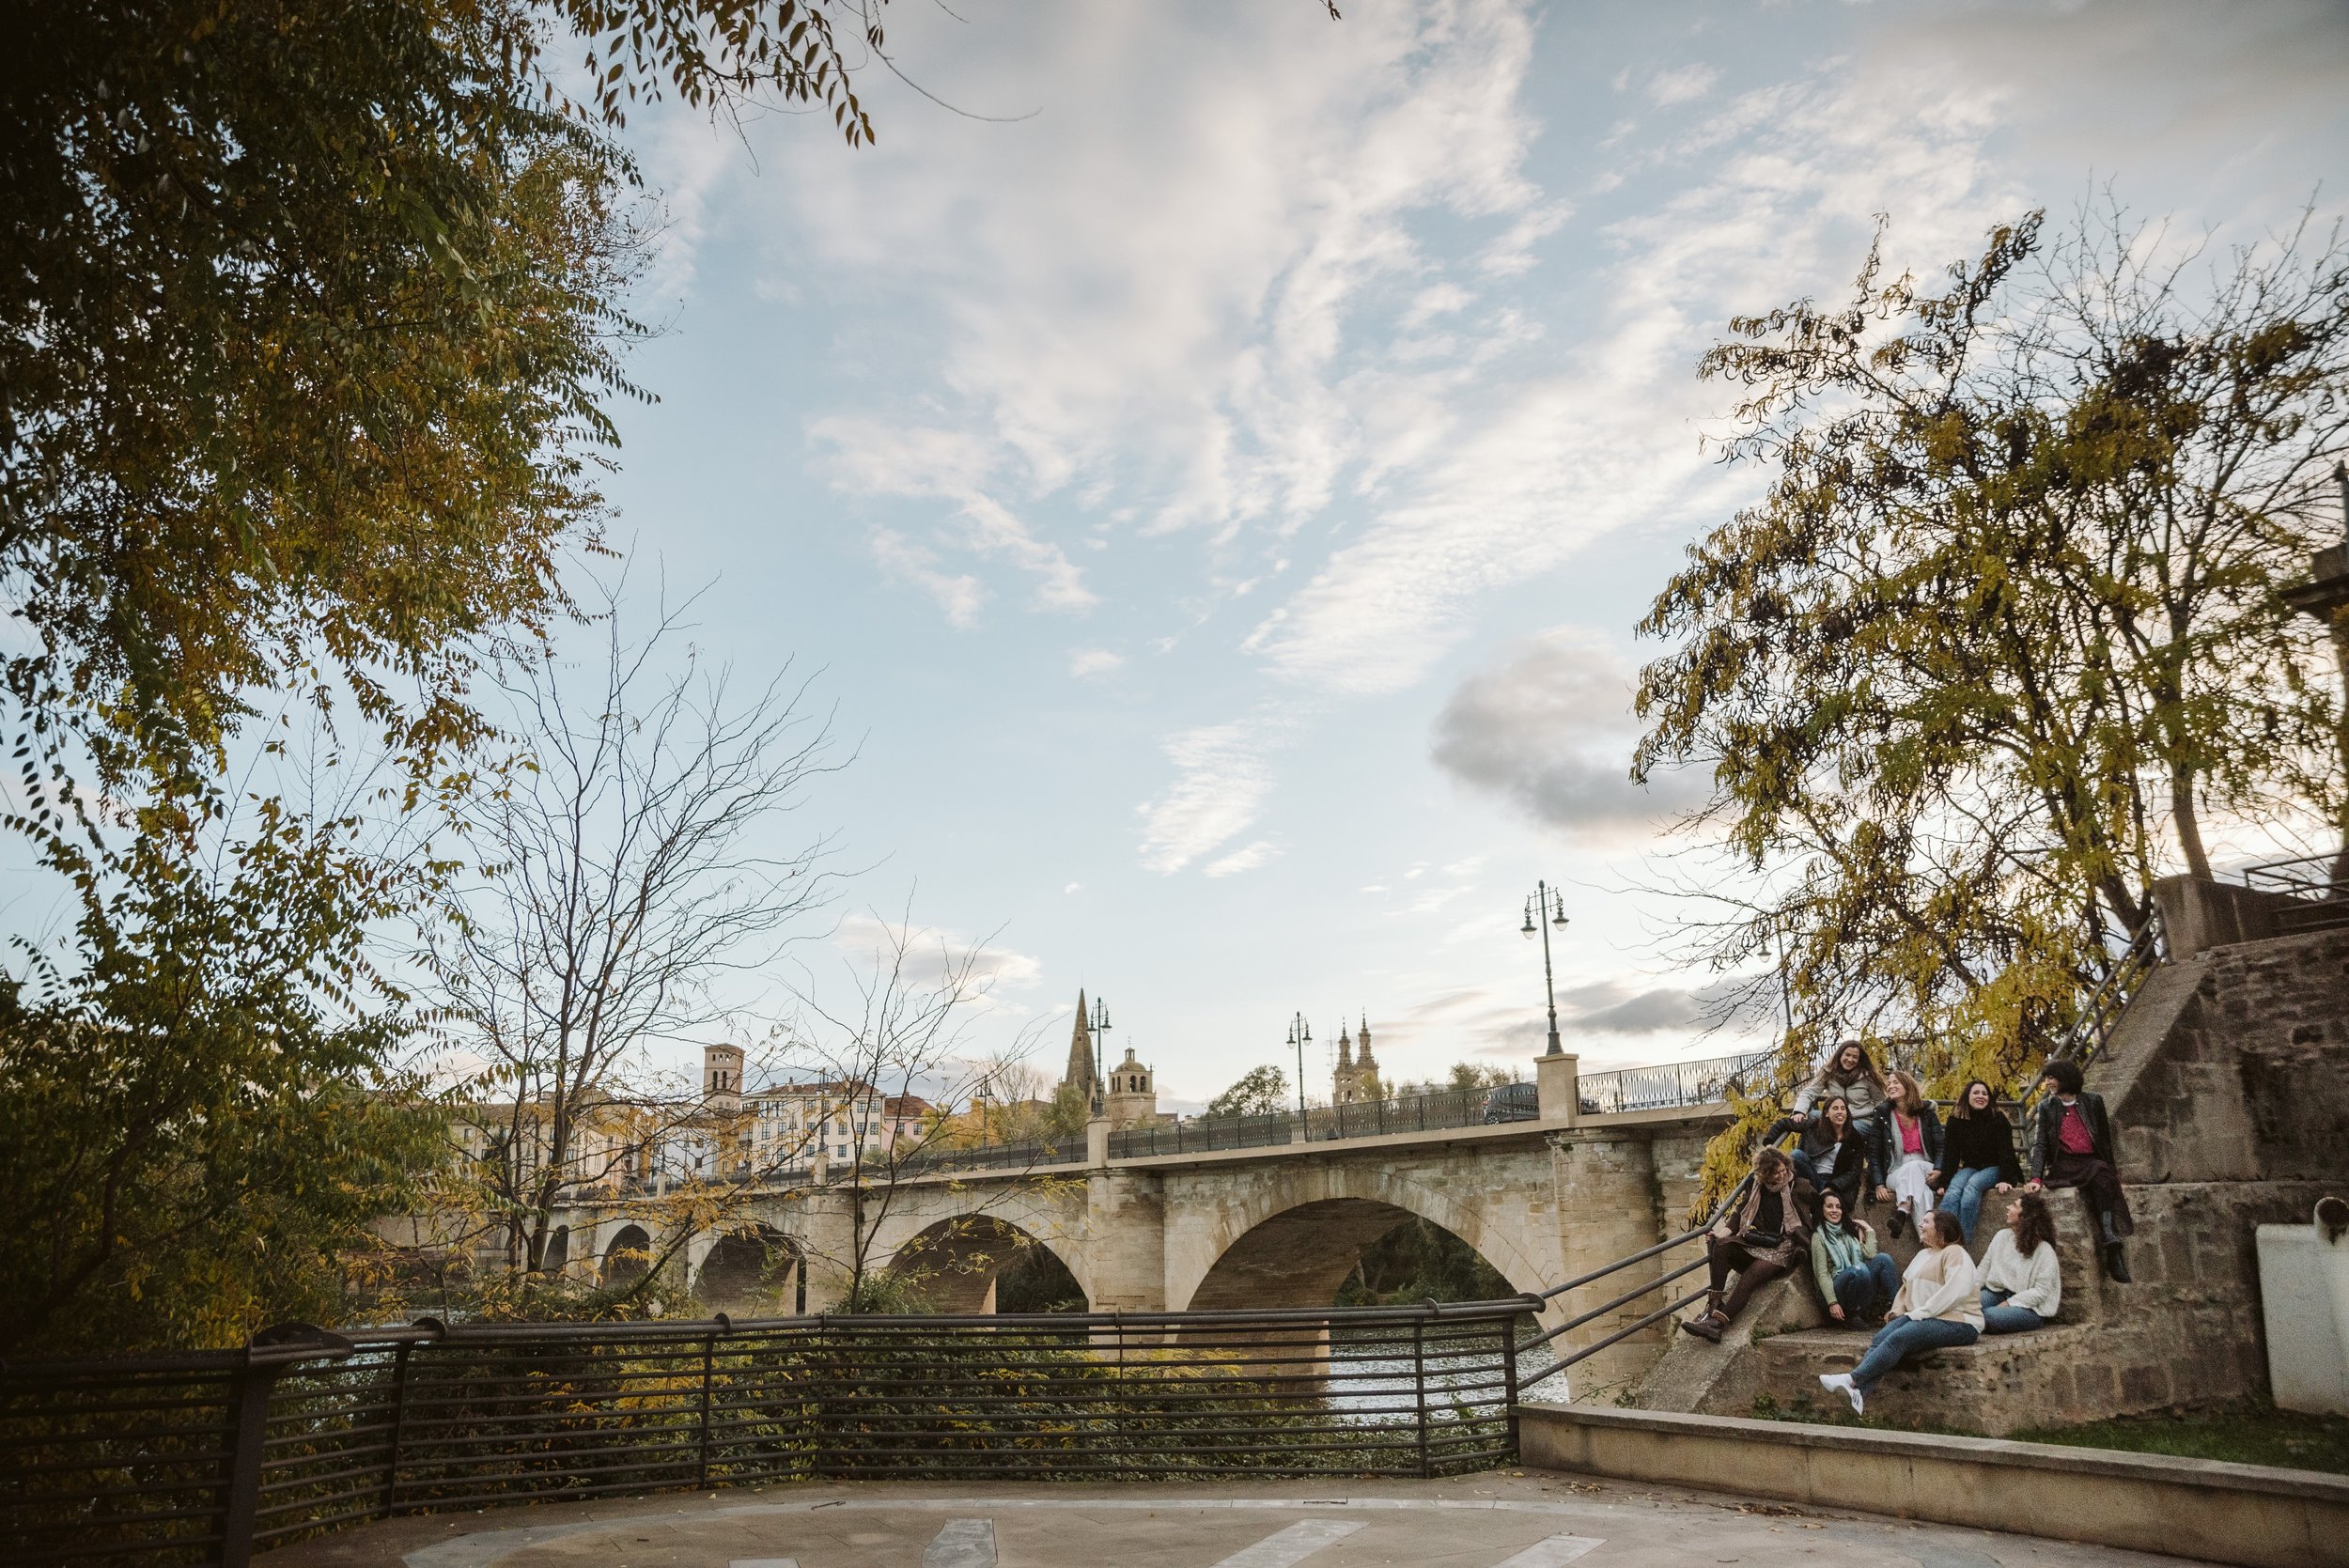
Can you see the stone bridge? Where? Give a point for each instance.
(1540, 1201)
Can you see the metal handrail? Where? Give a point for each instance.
(1737, 1196)
(2100, 1013)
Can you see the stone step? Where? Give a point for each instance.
(2002, 1383)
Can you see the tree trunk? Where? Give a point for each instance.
(2183, 811)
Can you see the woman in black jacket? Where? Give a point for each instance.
(1977, 1156)
(1834, 1156)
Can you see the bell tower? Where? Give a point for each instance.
(722, 1078)
(1133, 1094)
(1357, 1075)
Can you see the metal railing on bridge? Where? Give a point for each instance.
(1433, 1110)
(1670, 1086)
(202, 1458)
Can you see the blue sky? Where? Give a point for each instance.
(1220, 499)
(1217, 471)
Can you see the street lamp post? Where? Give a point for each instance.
(1546, 910)
(1100, 1026)
(1301, 1035)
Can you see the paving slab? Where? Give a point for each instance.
(1504, 1520)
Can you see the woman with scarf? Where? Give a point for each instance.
(1758, 1240)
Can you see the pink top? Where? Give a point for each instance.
(2072, 1133)
(1912, 1136)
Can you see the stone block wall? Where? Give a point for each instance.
(2247, 1077)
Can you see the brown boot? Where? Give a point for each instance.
(1709, 1328)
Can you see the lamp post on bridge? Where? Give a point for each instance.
(1100, 1024)
(1546, 910)
(1301, 1035)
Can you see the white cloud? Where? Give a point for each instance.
(1154, 318)
(1668, 87)
(868, 458)
(931, 953)
(1248, 858)
(1219, 788)
(1094, 661)
(958, 594)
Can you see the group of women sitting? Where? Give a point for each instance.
(1861, 1129)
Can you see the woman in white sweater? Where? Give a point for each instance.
(2022, 1284)
(1939, 1305)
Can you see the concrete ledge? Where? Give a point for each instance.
(2199, 1508)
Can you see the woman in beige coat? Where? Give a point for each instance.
(1939, 1305)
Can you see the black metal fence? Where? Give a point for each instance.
(203, 1458)
(1670, 1086)
(1435, 1109)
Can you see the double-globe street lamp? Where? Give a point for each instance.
(1301, 1035)
(1546, 910)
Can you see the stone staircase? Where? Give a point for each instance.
(2001, 1384)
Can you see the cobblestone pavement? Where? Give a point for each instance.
(1492, 1521)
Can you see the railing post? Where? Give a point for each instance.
(710, 1354)
(1509, 1377)
(248, 1406)
(1419, 1385)
(400, 1422)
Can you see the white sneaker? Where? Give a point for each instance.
(1840, 1382)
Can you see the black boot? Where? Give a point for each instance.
(2116, 1263)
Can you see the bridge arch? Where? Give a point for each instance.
(954, 1263)
(629, 1255)
(1292, 1240)
(754, 1269)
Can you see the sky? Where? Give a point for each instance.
(1213, 457)
(1210, 459)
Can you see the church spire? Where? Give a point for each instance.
(1365, 1041)
(1346, 1049)
(1080, 1074)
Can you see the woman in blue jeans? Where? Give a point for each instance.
(2022, 1283)
(1856, 1281)
(1977, 1156)
(1939, 1305)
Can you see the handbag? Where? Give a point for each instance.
(1761, 1241)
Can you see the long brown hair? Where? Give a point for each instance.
(1912, 1093)
(2037, 1225)
(1965, 1105)
(1832, 1072)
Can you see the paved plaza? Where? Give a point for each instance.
(1490, 1521)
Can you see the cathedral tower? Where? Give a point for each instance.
(1356, 1077)
(1079, 1073)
